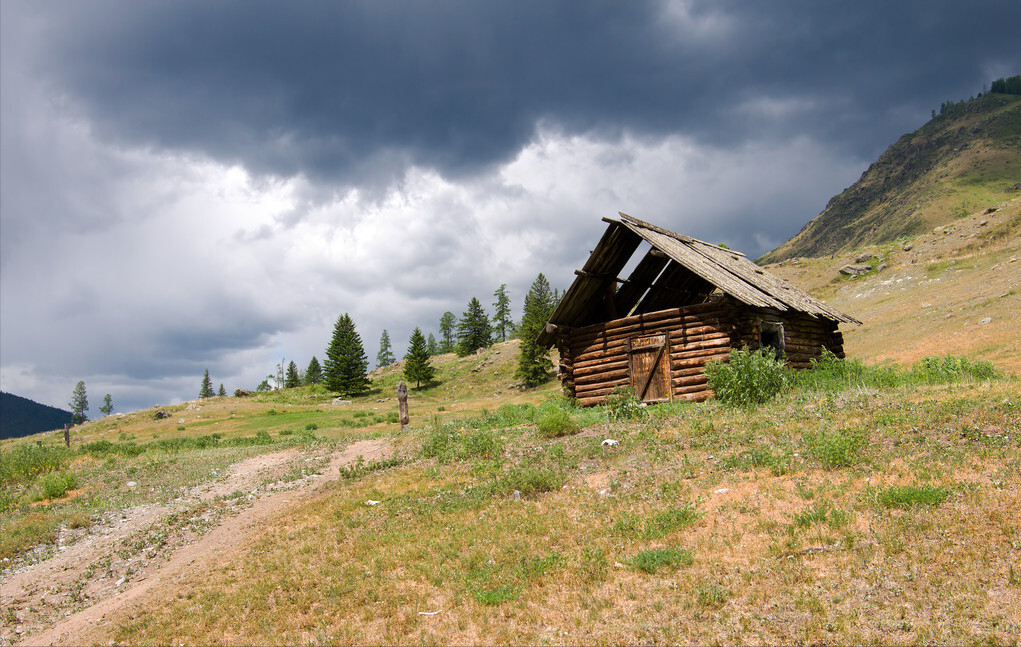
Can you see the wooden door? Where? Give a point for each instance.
(650, 368)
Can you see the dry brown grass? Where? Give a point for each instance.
(336, 571)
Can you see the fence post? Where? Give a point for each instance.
(402, 403)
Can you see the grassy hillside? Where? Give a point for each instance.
(865, 505)
(964, 160)
(953, 289)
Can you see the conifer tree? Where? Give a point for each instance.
(314, 372)
(222, 393)
(473, 331)
(207, 386)
(502, 314)
(385, 356)
(79, 404)
(344, 370)
(107, 407)
(431, 346)
(533, 361)
(417, 368)
(293, 379)
(448, 331)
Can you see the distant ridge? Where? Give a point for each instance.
(965, 159)
(22, 417)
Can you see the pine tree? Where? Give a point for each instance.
(79, 404)
(314, 372)
(533, 361)
(222, 393)
(207, 386)
(417, 368)
(385, 356)
(473, 331)
(448, 330)
(292, 379)
(502, 316)
(107, 407)
(430, 345)
(344, 370)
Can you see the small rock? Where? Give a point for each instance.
(1013, 259)
(983, 223)
(722, 490)
(926, 305)
(983, 322)
(862, 258)
(881, 267)
(119, 582)
(908, 247)
(339, 402)
(609, 442)
(132, 484)
(855, 270)
(372, 502)
(516, 496)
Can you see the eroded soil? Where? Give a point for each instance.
(65, 598)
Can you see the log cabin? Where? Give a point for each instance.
(685, 303)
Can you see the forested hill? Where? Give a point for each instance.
(22, 417)
(966, 158)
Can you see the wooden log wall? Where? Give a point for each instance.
(804, 336)
(594, 360)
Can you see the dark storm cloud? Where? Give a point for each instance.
(349, 89)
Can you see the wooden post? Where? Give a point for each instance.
(67, 436)
(402, 403)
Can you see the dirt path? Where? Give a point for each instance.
(29, 589)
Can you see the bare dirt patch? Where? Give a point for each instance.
(68, 596)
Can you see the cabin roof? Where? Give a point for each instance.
(676, 271)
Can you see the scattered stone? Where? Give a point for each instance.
(609, 442)
(908, 247)
(1013, 259)
(516, 496)
(983, 322)
(338, 402)
(132, 484)
(881, 267)
(938, 229)
(855, 270)
(862, 258)
(722, 490)
(983, 223)
(926, 305)
(990, 210)
(372, 502)
(160, 414)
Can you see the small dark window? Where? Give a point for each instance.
(771, 336)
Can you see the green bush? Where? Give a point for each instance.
(746, 378)
(553, 419)
(622, 405)
(57, 484)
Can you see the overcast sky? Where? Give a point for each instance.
(196, 185)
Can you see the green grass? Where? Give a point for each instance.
(652, 560)
(910, 496)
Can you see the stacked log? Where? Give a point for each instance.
(595, 360)
(601, 363)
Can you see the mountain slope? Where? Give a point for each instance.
(965, 159)
(22, 417)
